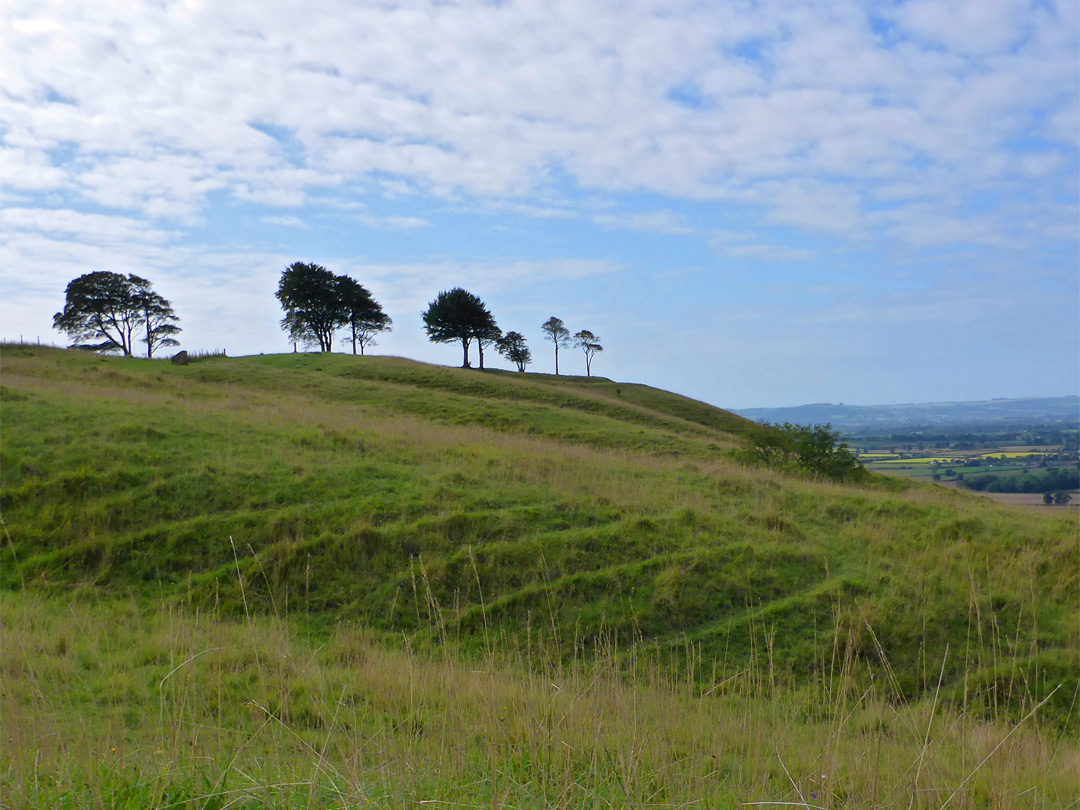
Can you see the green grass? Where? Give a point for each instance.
(408, 496)
(114, 706)
(545, 518)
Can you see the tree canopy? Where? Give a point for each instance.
(363, 314)
(555, 331)
(1062, 478)
(485, 335)
(313, 312)
(458, 315)
(590, 344)
(159, 320)
(317, 303)
(102, 310)
(512, 347)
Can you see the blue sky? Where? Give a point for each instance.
(751, 203)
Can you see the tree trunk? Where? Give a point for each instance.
(556, 359)
(480, 348)
(465, 349)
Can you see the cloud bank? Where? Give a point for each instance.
(833, 115)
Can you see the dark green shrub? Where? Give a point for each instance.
(814, 449)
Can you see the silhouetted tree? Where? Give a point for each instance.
(107, 308)
(159, 319)
(590, 344)
(458, 315)
(485, 335)
(311, 298)
(555, 331)
(512, 347)
(363, 314)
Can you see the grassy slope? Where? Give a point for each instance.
(110, 705)
(440, 502)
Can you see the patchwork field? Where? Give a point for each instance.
(955, 468)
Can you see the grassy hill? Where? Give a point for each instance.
(432, 500)
(448, 507)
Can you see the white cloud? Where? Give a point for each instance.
(970, 26)
(29, 170)
(767, 252)
(743, 245)
(161, 103)
(392, 223)
(286, 222)
(97, 228)
(413, 281)
(664, 222)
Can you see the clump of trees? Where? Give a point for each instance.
(458, 315)
(318, 304)
(1060, 498)
(512, 346)
(1060, 479)
(813, 449)
(105, 312)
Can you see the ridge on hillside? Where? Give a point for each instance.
(441, 502)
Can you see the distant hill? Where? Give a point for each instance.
(1062, 412)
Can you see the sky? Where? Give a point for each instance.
(752, 203)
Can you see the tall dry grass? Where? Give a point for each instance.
(106, 706)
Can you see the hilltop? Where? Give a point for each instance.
(449, 504)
